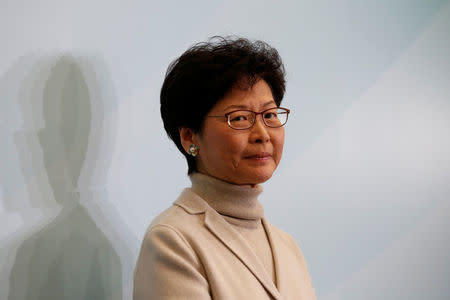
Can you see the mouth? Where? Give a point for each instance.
(259, 156)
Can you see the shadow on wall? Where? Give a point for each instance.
(70, 258)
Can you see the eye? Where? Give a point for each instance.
(270, 115)
(238, 118)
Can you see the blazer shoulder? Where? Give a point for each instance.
(287, 238)
(281, 233)
(186, 211)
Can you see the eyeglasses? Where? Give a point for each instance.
(245, 119)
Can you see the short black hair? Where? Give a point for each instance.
(203, 75)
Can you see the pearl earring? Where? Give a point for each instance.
(193, 150)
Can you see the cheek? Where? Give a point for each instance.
(278, 145)
(234, 146)
(225, 146)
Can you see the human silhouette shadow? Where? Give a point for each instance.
(70, 258)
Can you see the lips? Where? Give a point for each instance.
(259, 156)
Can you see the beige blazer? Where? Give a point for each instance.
(191, 252)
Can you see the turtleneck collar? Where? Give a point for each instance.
(228, 199)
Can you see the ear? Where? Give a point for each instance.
(187, 137)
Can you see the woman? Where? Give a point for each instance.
(220, 104)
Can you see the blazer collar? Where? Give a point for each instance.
(194, 204)
(191, 202)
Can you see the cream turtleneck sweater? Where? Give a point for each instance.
(240, 207)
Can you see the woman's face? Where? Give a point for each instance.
(241, 157)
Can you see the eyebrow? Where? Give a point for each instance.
(246, 107)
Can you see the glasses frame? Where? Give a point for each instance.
(227, 116)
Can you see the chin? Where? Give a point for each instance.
(257, 178)
(255, 174)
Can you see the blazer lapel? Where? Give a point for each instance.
(276, 253)
(237, 244)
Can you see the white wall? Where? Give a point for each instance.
(85, 164)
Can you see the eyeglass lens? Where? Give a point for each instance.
(244, 119)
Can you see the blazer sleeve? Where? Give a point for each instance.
(311, 292)
(168, 268)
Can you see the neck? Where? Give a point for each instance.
(236, 201)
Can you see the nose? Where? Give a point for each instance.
(259, 132)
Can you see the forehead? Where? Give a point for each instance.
(256, 97)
